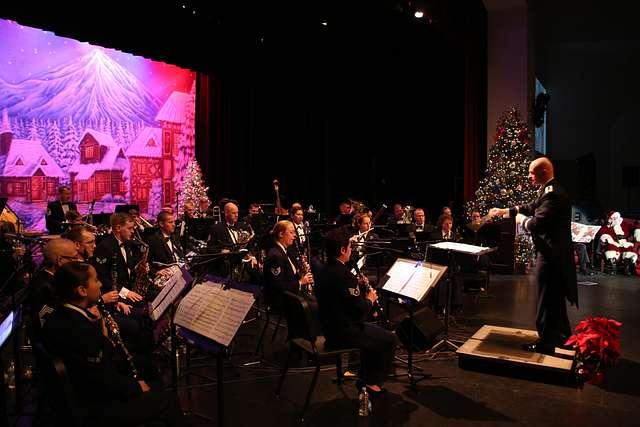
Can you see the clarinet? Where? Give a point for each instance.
(304, 267)
(376, 307)
(113, 330)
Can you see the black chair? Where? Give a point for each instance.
(307, 336)
(269, 309)
(61, 394)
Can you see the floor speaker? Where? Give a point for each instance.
(425, 328)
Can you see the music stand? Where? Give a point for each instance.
(452, 248)
(210, 316)
(410, 281)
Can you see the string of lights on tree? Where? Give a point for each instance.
(505, 182)
(193, 188)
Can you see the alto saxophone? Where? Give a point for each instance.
(141, 286)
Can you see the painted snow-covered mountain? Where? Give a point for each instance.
(93, 86)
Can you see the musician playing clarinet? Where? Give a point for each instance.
(281, 272)
(344, 309)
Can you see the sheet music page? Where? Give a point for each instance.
(583, 233)
(420, 283)
(214, 312)
(399, 274)
(172, 288)
(461, 247)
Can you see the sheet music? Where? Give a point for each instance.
(213, 312)
(462, 247)
(583, 233)
(173, 287)
(412, 278)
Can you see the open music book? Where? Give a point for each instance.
(172, 288)
(463, 248)
(214, 312)
(413, 279)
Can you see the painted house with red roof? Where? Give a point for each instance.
(145, 164)
(27, 171)
(171, 117)
(100, 170)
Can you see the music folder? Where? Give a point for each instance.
(214, 312)
(172, 289)
(463, 248)
(412, 279)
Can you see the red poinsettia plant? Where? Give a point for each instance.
(597, 346)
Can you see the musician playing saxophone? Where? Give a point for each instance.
(118, 246)
(164, 247)
(227, 236)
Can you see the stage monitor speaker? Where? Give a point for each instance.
(426, 327)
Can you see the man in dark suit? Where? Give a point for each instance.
(115, 254)
(164, 247)
(344, 309)
(548, 219)
(227, 236)
(420, 224)
(57, 211)
(444, 229)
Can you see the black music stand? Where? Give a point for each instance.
(451, 249)
(211, 333)
(410, 281)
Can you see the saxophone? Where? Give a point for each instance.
(141, 286)
(113, 330)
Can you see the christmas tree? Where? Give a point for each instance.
(506, 181)
(193, 189)
(155, 198)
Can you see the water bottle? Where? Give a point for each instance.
(364, 405)
(10, 375)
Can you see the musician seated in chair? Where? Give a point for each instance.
(227, 237)
(110, 393)
(115, 258)
(420, 224)
(281, 271)
(57, 211)
(164, 248)
(344, 308)
(444, 229)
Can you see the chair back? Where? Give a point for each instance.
(62, 397)
(302, 316)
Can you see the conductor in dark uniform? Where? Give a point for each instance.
(343, 311)
(57, 211)
(548, 219)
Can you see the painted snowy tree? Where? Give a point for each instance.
(155, 198)
(55, 146)
(193, 189)
(186, 146)
(70, 146)
(34, 134)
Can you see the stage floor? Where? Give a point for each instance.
(453, 396)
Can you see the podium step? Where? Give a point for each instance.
(497, 349)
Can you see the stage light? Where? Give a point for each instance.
(418, 14)
(324, 24)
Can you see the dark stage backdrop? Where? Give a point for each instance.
(376, 116)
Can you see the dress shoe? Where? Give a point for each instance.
(370, 391)
(538, 347)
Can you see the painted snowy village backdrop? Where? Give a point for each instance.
(114, 127)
